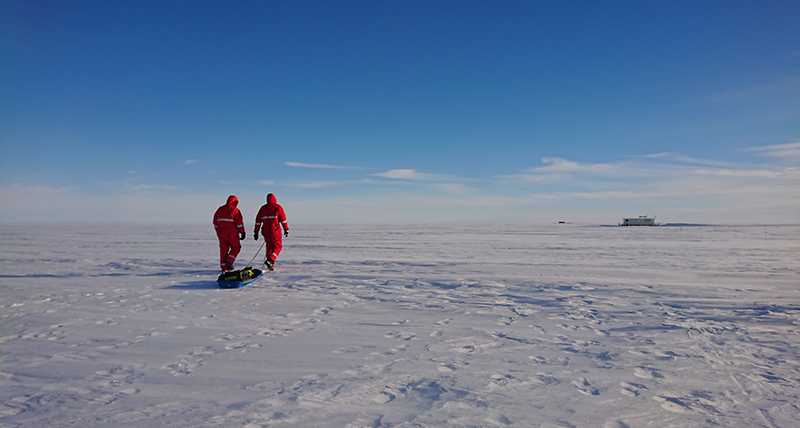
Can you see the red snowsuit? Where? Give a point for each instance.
(269, 219)
(229, 225)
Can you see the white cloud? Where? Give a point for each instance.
(679, 158)
(534, 178)
(313, 165)
(786, 173)
(650, 168)
(606, 195)
(671, 183)
(562, 170)
(137, 185)
(140, 184)
(414, 175)
(558, 167)
(405, 174)
(789, 150)
(673, 187)
(189, 162)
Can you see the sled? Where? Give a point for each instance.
(238, 278)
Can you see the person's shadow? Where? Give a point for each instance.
(194, 285)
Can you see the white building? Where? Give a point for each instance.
(642, 220)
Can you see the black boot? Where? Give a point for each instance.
(270, 264)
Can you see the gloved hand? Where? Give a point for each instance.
(286, 232)
(241, 236)
(255, 236)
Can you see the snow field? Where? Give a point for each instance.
(401, 326)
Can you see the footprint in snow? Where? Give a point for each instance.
(189, 362)
(647, 373)
(118, 376)
(399, 335)
(243, 346)
(443, 322)
(499, 420)
(560, 361)
(545, 379)
(536, 359)
(585, 388)
(364, 420)
(499, 381)
(672, 404)
(107, 399)
(400, 348)
(383, 397)
(348, 350)
(447, 368)
(322, 311)
(632, 389)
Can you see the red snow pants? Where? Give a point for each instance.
(274, 240)
(229, 246)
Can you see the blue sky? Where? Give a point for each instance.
(401, 111)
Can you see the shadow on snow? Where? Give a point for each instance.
(194, 285)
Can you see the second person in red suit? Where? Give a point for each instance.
(230, 230)
(269, 220)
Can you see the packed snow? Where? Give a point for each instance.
(559, 325)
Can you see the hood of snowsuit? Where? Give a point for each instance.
(233, 201)
(271, 199)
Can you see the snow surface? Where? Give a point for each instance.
(399, 326)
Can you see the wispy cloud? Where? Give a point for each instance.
(314, 165)
(140, 184)
(671, 183)
(673, 186)
(559, 169)
(785, 173)
(189, 162)
(604, 195)
(789, 150)
(409, 174)
(559, 165)
(787, 85)
(683, 159)
(646, 167)
(314, 184)
(144, 188)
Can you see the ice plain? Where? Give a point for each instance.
(558, 325)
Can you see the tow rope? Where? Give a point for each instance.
(254, 257)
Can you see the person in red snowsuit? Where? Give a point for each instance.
(269, 219)
(229, 225)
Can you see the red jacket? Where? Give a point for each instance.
(271, 217)
(228, 218)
